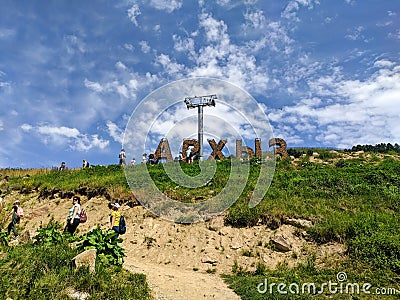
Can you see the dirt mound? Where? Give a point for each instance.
(182, 261)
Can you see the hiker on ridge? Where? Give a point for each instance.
(122, 157)
(63, 167)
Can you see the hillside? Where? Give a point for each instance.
(323, 206)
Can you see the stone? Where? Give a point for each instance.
(76, 294)
(298, 222)
(86, 259)
(209, 260)
(216, 223)
(235, 246)
(280, 243)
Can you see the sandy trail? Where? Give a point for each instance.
(169, 283)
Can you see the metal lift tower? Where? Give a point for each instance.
(200, 102)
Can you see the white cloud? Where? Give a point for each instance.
(26, 127)
(94, 86)
(157, 28)
(183, 45)
(74, 44)
(167, 5)
(291, 10)
(70, 137)
(1, 125)
(122, 90)
(129, 47)
(6, 33)
(61, 131)
(86, 143)
(115, 132)
(121, 66)
(144, 45)
(133, 13)
(278, 38)
(255, 20)
(114, 86)
(216, 31)
(223, 2)
(169, 66)
(355, 34)
(362, 112)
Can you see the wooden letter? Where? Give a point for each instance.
(163, 151)
(216, 149)
(282, 146)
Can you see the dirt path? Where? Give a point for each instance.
(168, 283)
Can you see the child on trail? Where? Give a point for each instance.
(114, 219)
(17, 214)
(73, 215)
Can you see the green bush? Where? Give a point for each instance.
(108, 250)
(49, 235)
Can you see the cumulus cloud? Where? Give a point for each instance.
(167, 5)
(133, 13)
(114, 86)
(144, 46)
(70, 137)
(169, 65)
(222, 58)
(94, 86)
(355, 34)
(115, 132)
(363, 112)
(183, 44)
(254, 20)
(293, 7)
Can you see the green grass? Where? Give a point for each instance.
(44, 271)
(263, 283)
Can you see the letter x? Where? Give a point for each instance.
(217, 148)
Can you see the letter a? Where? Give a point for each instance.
(163, 151)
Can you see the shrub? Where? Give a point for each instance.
(108, 250)
(49, 234)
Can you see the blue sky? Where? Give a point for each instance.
(326, 73)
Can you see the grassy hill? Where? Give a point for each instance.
(351, 198)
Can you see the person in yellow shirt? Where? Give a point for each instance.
(114, 219)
